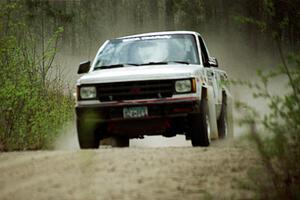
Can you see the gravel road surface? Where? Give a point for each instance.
(128, 173)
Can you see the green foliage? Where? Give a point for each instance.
(34, 106)
(248, 20)
(279, 145)
(279, 148)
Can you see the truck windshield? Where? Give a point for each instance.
(162, 49)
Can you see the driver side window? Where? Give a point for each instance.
(204, 53)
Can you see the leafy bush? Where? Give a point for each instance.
(279, 147)
(34, 102)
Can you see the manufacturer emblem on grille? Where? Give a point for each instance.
(135, 90)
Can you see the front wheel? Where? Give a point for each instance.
(222, 121)
(87, 134)
(200, 126)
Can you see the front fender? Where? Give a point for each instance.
(229, 115)
(212, 113)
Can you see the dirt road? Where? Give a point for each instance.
(129, 173)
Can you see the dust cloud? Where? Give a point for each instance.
(67, 139)
(159, 141)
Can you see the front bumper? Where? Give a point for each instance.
(157, 108)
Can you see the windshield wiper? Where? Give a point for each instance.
(180, 62)
(114, 66)
(164, 63)
(154, 63)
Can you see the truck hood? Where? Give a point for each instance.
(137, 73)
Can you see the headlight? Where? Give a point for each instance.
(183, 86)
(88, 92)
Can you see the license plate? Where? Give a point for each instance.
(135, 112)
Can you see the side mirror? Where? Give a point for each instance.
(213, 62)
(84, 67)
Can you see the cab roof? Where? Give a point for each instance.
(160, 33)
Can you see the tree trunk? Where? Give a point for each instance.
(169, 18)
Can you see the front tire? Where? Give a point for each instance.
(87, 135)
(199, 126)
(222, 121)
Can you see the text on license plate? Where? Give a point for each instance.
(135, 112)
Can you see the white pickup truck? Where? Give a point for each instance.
(163, 83)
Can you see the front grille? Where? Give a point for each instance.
(135, 90)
